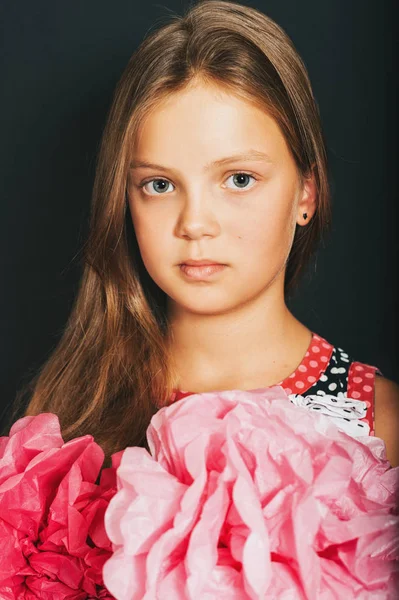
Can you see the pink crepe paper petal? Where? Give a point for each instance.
(245, 495)
(51, 513)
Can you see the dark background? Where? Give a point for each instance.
(60, 62)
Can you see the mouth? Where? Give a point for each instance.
(201, 271)
(200, 263)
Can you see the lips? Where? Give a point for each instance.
(202, 272)
(200, 263)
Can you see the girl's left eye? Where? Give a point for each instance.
(239, 179)
(240, 176)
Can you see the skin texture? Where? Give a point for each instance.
(233, 330)
(387, 416)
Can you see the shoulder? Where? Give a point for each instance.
(386, 409)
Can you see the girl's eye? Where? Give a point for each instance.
(164, 184)
(241, 179)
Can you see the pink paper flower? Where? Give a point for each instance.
(246, 495)
(53, 542)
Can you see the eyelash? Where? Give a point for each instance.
(143, 183)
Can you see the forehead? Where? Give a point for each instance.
(208, 121)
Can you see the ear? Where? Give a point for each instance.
(307, 199)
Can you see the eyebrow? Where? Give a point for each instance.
(247, 156)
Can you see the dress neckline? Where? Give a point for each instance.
(312, 366)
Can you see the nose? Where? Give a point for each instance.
(197, 218)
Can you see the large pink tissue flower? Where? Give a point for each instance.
(247, 496)
(53, 542)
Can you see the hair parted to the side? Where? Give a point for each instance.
(110, 371)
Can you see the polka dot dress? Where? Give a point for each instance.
(326, 369)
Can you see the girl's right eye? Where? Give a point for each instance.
(164, 184)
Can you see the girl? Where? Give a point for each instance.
(210, 198)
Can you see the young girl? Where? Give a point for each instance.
(210, 198)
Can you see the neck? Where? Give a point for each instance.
(256, 345)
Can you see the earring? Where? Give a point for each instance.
(305, 216)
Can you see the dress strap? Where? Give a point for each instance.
(361, 386)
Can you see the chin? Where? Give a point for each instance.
(204, 302)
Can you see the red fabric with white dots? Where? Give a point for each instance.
(360, 385)
(361, 381)
(310, 369)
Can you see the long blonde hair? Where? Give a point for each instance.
(111, 369)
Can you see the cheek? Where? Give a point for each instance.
(264, 233)
(152, 246)
(149, 234)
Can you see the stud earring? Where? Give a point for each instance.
(305, 216)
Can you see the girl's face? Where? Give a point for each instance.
(196, 201)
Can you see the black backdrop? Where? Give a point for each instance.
(60, 62)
